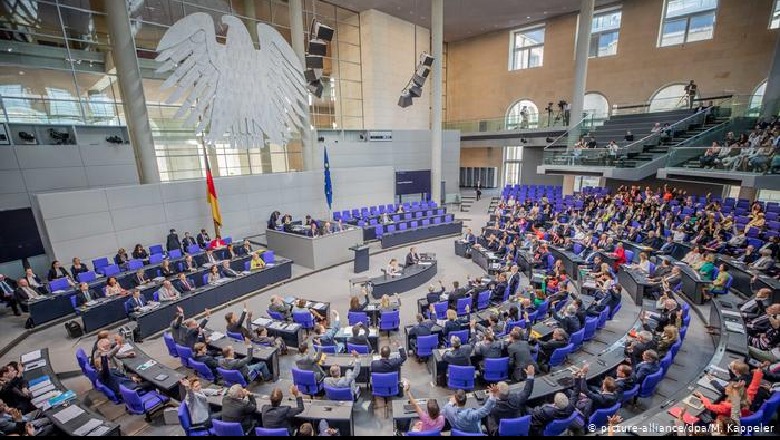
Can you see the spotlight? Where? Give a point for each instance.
(313, 62)
(317, 47)
(316, 88)
(405, 100)
(27, 137)
(423, 71)
(415, 91)
(322, 32)
(312, 74)
(425, 59)
(58, 136)
(115, 140)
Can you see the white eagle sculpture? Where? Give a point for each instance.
(233, 88)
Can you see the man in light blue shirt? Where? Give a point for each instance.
(468, 420)
(337, 380)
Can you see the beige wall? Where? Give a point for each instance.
(481, 157)
(736, 60)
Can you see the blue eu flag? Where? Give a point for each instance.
(328, 184)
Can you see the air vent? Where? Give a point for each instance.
(380, 136)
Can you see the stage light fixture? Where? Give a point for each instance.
(312, 74)
(316, 88)
(405, 100)
(322, 32)
(313, 62)
(426, 59)
(415, 91)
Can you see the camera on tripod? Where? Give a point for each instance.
(562, 105)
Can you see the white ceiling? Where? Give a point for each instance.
(469, 18)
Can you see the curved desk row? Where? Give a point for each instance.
(571, 261)
(69, 418)
(210, 296)
(635, 282)
(260, 353)
(411, 278)
(391, 239)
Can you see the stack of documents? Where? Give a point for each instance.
(31, 356)
(87, 427)
(69, 413)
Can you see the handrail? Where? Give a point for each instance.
(658, 134)
(566, 133)
(648, 103)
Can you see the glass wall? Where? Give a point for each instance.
(56, 67)
(513, 164)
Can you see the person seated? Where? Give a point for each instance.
(165, 270)
(510, 404)
(488, 348)
(139, 253)
(745, 394)
(249, 371)
(568, 321)
(430, 419)
(393, 269)
(624, 380)
(140, 279)
(354, 302)
(422, 328)
(668, 246)
(77, 268)
(643, 264)
(236, 325)
(213, 275)
(227, 271)
(113, 288)
(765, 262)
(56, 272)
(636, 348)
(278, 305)
(84, 294)
(669, 337)
(756, 306)
(309, 360)
(187, 333)
(749, 256)
(610, 298)
(694, 257)
(196, 398)
(200, 354)
(452, 324)
(469, 420)
(260, 337)
(216, 243)
(209, 259)
(327, 337)
(300, 307)
(620, 255)
(167, 292)
(433, 296)
(587, 401)
(189, 264)
(347, 380)
(707, 267)
(276, 415)
(203, 239)
(412, 257)
(766, 342)
(183, 284)
(359, 336)
(542, 416)
(559, 339)
(239, 406)
(135, 303)
(386, 364)
(648, 366)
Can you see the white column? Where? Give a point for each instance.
(133, 99)
(581, 61)
(568, 184)
(297, 35)
(771, 101)
(437, 36)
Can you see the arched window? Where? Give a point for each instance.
(595, 105)
(522, 114)
(757, 99)
(669, 98)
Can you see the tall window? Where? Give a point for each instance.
(757, 99)
(522, 114)
(513, 163)
(774, 19)
(669, 98)
(686, 21)
(604, 33)
(527, 48)
(583, 181)
(596, 105)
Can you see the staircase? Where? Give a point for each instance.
(466, 202)
(493, 203)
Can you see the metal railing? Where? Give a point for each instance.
(666, 104)
(505, 123)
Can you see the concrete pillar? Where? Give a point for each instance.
(771, 102)
(297, 35)
(581, 60)
(133, 98)
(437, 37)
(748, 192)
(568, 185)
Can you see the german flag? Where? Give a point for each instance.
(211, 192)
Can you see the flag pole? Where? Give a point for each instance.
(217, 226)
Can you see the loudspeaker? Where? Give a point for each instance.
(322, 32)
(317, 47)
(313, 62)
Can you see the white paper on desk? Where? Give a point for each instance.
(35, 365)
(731, 313)
(45, 398)
(318, 306)
(31, 356)
(87, 427)
(124, 349)
(99, 431)
(42, 391)
(68, 413)
(734, 327)
(706, 382)
(262, 321)
(40, 385)
(216, 336)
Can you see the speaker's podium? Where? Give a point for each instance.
(361, 258)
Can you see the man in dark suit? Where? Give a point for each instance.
(203, 239)
(637, 348)
(470, 237)
(412, 257)
(509, 404)
(239, 406)
(593, 401)
(84, 295)
(187, 241)
(499, 289)
(541, 416)
(456, 294)
(309, 360)
(387, 365)
(139, 279)
(77, 268)
(172, 241)
(423, 328)
(276, 415)
(236, 325)
(7, 294)
(433, 295)
(513, 279)
(457, 354)
(359, 336)
(648, 366)
(183, 284)
(136, 302)
(624, 380)
(187, 333)
(519, 355)
(200, 354)
(568, 321)
(249, 371)
(228, 271)
(559, 339)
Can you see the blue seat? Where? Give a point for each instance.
(414, 224)
(185, 355)
(341, 394)
(202, 370)
(234, 335)
(135, 264)
(100, 264)
(142, 404)
(752, 421)
(559, 426)
(463, 335)
(426, 345)
(459, 433)
(512, 324)
(362, 349)
(496, 369)
(629, 257)
(325, 349)
(600, 416)
(590, 328)
(675, 348)
(430, 433)
(355, 317)
(232, 377)
(726, 287)
(306, 382)
(227, 429)
(389, 321)
(86, 277)
(436, 220)
(305, 319)
(460, 378)
(379, 230)
(170, 344)
(58, 284)
(279, 316)
(514, 427)
(648, 385)
(186, 423)
(282, 432)
(577, 338)
(193, 249)
(175, 254)
(770, 407)
(74, 303)
(384, 385)
(81, 358)
(403, 226)
(462, 304)
(559, 355)
(269, 257)
(228, 240)
(390, 229)
(156, 258)
(666, 361)
(107, 392)
(631, 393)
(156, 249)
(441, 309)
(155, 297)
(602, 321)
(612, 313)
(91, 375)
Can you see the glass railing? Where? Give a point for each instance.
(35, 110)
(504, 123)
(675, 103)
